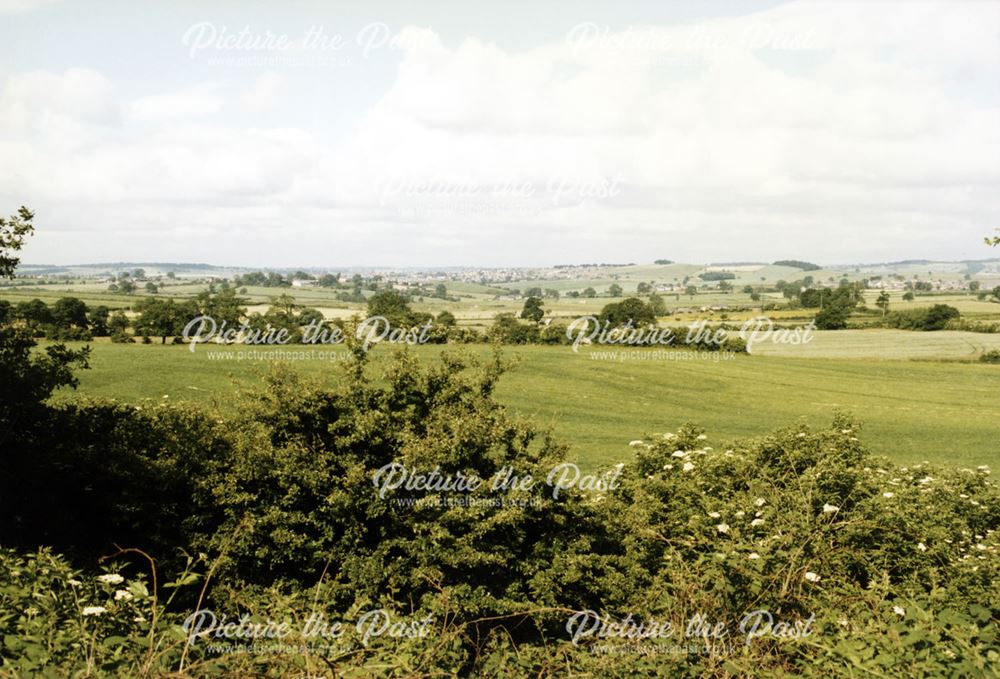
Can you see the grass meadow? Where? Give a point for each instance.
(941, 409)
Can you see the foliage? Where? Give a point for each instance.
(533, 309)
(629, 311)
(936, 317)
(13, 231)
(798, 264)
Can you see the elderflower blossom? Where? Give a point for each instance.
(829, 509)
(111, 578)
(688, 466)
(812, 577)
(94, 610)
(722, 528)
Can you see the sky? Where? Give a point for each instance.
(332, 134)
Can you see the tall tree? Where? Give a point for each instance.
(533, 310)
(883, 302)
(13, 231)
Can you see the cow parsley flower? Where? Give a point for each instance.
(636, 443)
(94, 610)
(829, 509)
(688, 466)
(702, 437)
(756, 522)
(722, 528)
(887, 494)
(812, 577)
(760, 502)
(714, 515)
(679, 453)
(899, 610)
(753, 556)
(922, 547)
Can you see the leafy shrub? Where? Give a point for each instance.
(936, 317)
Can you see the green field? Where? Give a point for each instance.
(912, 410)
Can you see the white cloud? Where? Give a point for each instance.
(265, 94)
(192, 102)
(22, 6)
(876, 130)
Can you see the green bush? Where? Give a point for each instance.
(936, 317)
(895, 566)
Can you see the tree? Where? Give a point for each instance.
(222, 306)
(157, 317)
(440, 291)
(13, 231)
(98, 320)
(533, 292)
(151, 288)
(657, 304)
(34, 313)
(126, 286)
(937, 316)
(974, 286)
(908, 296)
(632, 310)
(533, 310)
(446, 319)
(68, 312)
(27, 377)
(118, 322)
(883, 302)
(691, 291)
(643, 288)
(614, 290)
(833, 317)
(393, 306)
(590, 293)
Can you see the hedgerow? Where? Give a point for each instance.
(273, 513)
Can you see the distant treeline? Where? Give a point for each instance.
(798, 264)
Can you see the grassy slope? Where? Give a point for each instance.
(913, 410)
